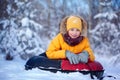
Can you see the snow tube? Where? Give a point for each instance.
(90, 66)
(94, 68)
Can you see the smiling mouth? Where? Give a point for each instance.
(74, 36)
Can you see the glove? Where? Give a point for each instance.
(83, 57)
(73, 58)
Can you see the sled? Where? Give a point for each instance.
(92, 68)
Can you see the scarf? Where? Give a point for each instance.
(71, 41)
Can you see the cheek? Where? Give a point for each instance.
(78, 33)
(70, 32)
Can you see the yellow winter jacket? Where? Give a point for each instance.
(58, 47)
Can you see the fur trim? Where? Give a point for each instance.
(63, 29)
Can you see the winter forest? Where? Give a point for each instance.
(27, 27)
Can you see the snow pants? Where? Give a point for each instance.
(42, 61)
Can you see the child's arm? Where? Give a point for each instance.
(54, 49)
(89, 50)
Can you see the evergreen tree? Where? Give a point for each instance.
(105, 35)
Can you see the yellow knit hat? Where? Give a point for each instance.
(74, 22)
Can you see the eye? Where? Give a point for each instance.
(77, 30)
(72, 29)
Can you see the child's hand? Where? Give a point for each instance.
(83, 57)
(73, 58)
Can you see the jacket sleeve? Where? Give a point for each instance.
(89, 50)
(54, 49)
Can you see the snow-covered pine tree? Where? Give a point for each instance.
(105, 36)
(19, 35)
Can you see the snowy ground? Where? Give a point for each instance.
(14, 70)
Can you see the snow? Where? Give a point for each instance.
(14, 70)
(5, 23)
(26, 22)
(33, 41)
(109, 15)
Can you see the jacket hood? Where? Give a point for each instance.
(63, 28)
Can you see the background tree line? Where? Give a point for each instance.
(27, 26)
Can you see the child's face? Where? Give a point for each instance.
(74, 33)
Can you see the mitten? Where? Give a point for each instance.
(73, 58)
(83, 57)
